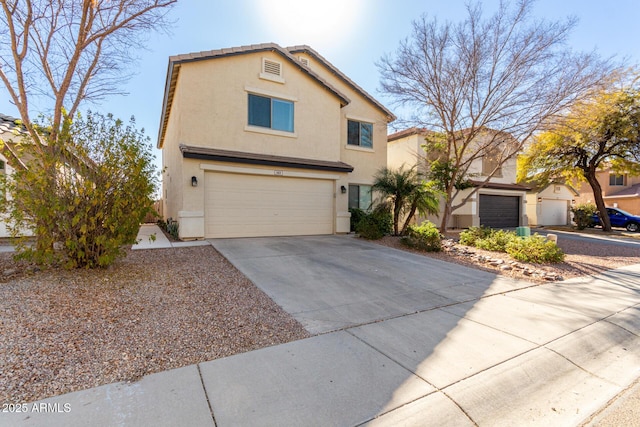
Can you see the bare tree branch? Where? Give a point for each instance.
(507, 72)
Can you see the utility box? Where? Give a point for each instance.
(523, 231)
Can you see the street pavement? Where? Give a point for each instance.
(400, 340)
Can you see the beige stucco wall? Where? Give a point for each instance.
(629, 204)
(406, 152)
(210, 109)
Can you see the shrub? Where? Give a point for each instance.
(470, 236)
(496, 241)
(425, 237)
(83, 197)
(582, 215)
(375, 224)
(536, 249)
(356, 216)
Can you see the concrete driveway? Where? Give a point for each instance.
(334, 282)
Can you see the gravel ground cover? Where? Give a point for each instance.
(154, 310)
(582, 258)
(160, 309)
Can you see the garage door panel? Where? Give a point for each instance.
(253, 205)
(553, 212)
(499, 211)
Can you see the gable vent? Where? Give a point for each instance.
(272, 67)
(304, 61)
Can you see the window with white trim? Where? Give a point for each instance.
(272, 113)
(360, 134)
(359, 197)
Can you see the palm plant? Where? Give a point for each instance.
(408, 193)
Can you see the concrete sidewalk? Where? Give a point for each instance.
(546, 355)
(159, 240)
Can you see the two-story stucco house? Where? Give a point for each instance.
(619, 190)
(263, 140)
(498, 203)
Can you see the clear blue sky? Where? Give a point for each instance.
(352, 34)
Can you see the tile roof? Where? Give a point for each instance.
(633, 191)
(10, 124)
(176, 61)
(308, 50)
(203, 153)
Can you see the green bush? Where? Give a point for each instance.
(536, 249)
(84, 196)
(470, 236)
(356, 216)
(582, 215)
(496, 241)
(372, 225)
(425, 237)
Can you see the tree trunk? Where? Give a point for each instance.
(445, 215)
(597, 195)
(412, 212)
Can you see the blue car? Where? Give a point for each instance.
(620, 218)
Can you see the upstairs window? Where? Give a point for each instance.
(360, 134)
(491, 164)
(272, 113)
(616, 180)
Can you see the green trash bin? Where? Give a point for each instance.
(523, 231)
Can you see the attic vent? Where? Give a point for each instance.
(271, 70)
(304, 61)
(272, 67)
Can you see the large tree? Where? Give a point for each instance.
(65, 52)
(56, 54)
(506, 73)
(602, 131)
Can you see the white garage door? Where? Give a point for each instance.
(553, 212)
(239, 205)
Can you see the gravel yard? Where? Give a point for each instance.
(165, 308)
(582, 258)
(151, 311)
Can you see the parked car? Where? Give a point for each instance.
(620, 218)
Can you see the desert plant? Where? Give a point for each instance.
(536, 249)
(469, 236)
(425, 237)
(497, 240)
(375, 224)
(84, 209)
(582, 215)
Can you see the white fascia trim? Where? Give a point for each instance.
(267, 172)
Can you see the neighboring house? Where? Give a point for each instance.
(620, 190)
(499, 203)
(10, 129)
(266, 141)
(550, 204)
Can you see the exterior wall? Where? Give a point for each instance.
(365, 161)
(628, 203)
(210, 109)
(406, 151)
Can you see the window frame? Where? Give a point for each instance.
(272, 99)
(360, 198)
(613, 179)
(361, 124)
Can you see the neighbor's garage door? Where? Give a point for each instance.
(499, 211)
(239, 205)
(553, 212)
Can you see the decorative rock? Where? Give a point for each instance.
(506, 267)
